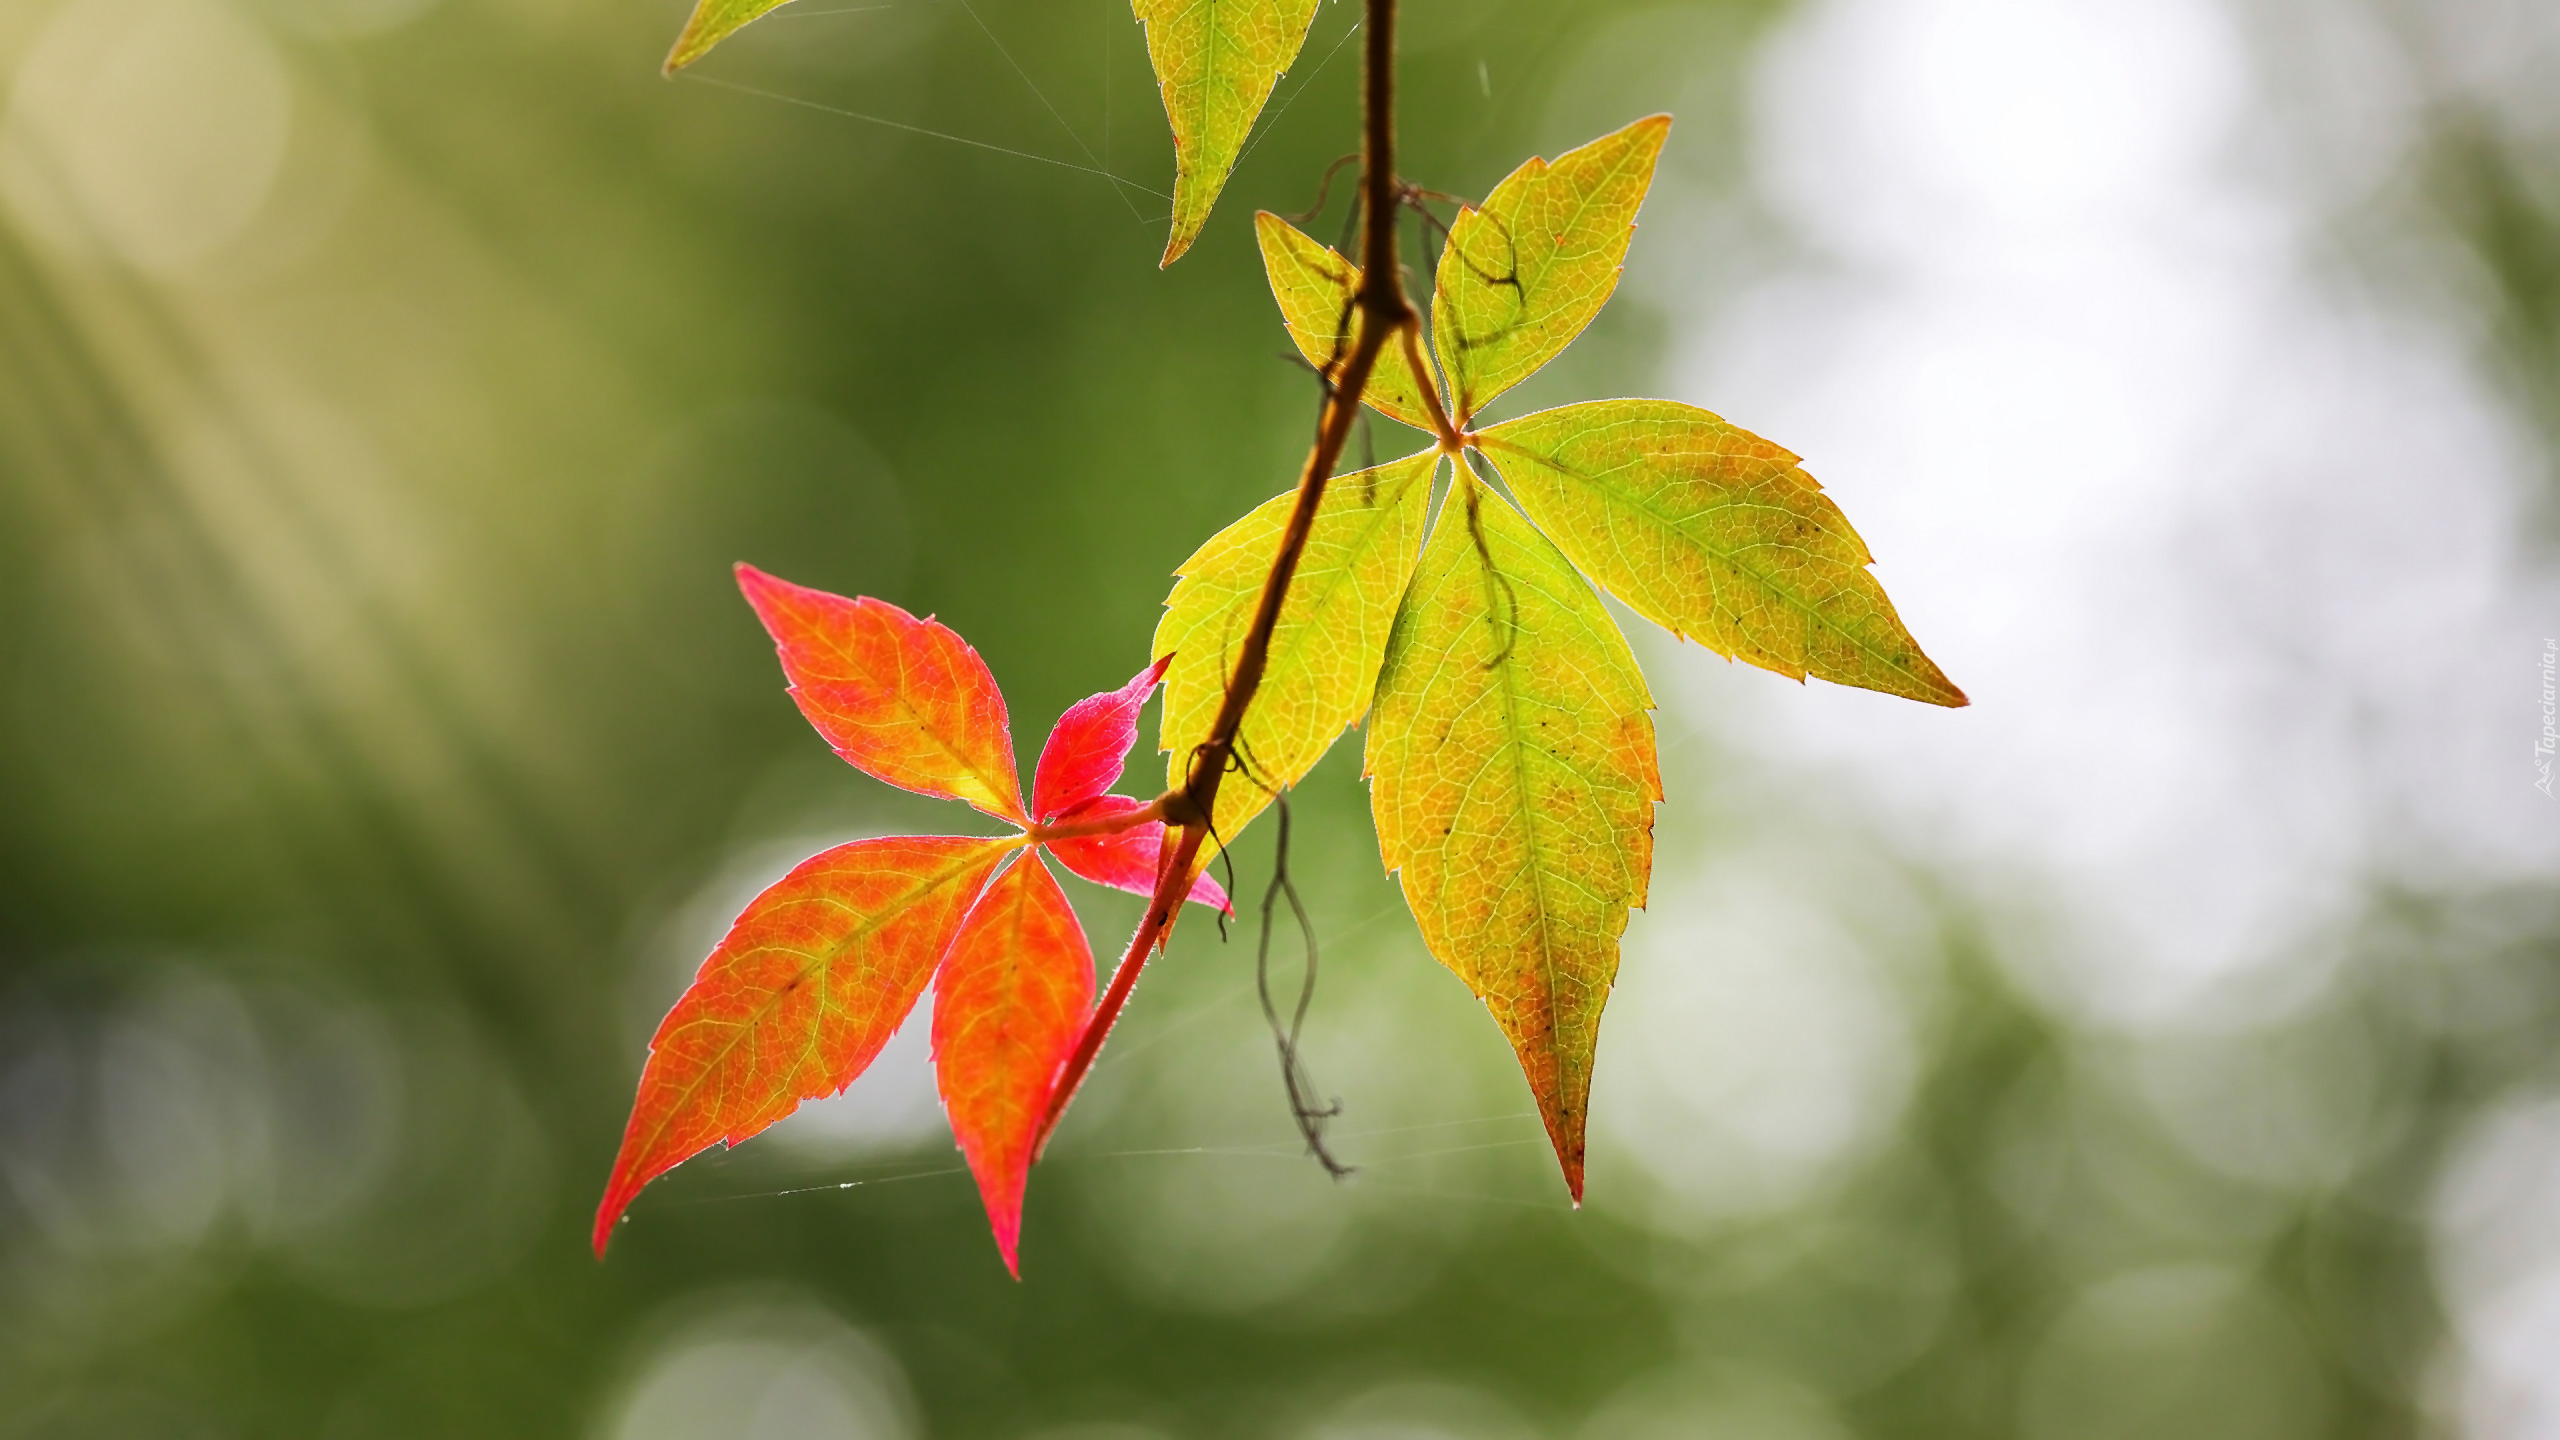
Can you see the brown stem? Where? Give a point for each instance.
(1385, 311)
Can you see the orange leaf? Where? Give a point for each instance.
(901, 699)
(1009, 1003)
(812, 979)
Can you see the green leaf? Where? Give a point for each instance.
(1512, 774)
(1715, 534)
(1326, 649)
(1215, 62)
(713, 21)
(1520, 277)
(1315, 286)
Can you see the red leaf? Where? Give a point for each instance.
(1090, 744)
(811, 980)
(902, 699)
(1126, 859)
(1010, 1001)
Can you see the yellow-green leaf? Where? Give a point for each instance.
(1315, 286)
(1216, 61)
(1512, 774)
(712, 22)
(1520, 277)
(1715, 534)
(1330, 639)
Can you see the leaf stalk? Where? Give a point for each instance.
(1152, 811)
(1452, 438)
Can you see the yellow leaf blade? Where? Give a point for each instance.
(1315, 287)
(1215, 63)
(1520, 277)
(713, 21)
(1512, 775)
(1327, 646)
(1715, 534)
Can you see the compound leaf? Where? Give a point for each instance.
(1215, 62)
(713, 21)
(1521, 276)
(1512, 775)
(1011, 998)
(1326, 648)
(901, 699)
(1315, 286)
(1713, 533)
(814, 976)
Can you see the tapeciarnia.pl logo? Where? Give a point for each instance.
(2543, 747)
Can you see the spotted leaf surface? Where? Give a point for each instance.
(1512, 776)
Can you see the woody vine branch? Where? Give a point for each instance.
(1384, 311)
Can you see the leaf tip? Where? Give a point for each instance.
(617, 1197)
(691, 45)
(1193, 198)
(1935, 688)
(1002, 1195)
(711, 22)
(764, 593)
(1647, 135)
(1205, 890)
(1009, 1244)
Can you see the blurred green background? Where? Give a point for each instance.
(2162, 1048)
